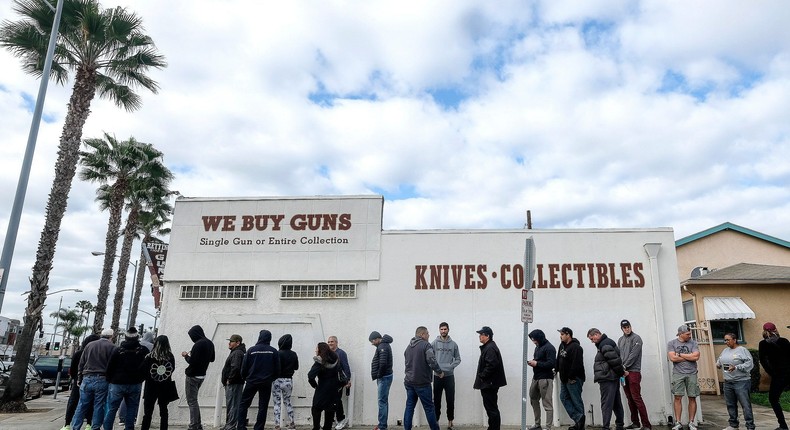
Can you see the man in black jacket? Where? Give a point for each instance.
(775, 359)
(420, 361)
(381, 372)
(607, 370)
(542, 387)
(570, 366)
(232, 380)
(199, 357)
(490, 376)
(260, 368)
(125, 374)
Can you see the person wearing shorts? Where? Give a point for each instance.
(683, 352)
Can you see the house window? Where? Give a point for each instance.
(318, 291)
(718, 328)
(688, 311)
(218, 292)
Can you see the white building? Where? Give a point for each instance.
(320, 266)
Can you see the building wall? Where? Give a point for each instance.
(727, 248)
(468, 278)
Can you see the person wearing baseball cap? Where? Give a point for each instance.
(630, 345)
(93, 381)
(231, 379)
(683, 352)
(490, 376)
(570, 366)
(774, 352)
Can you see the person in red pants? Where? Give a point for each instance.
(630, 345)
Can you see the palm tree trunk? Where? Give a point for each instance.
(123, 266)
(65, 168)
(142, 268)
(110, 244)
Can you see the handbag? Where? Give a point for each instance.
(169, 391)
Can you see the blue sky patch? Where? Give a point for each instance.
(448, 98)
(404, 191)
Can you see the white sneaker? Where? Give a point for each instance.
(88, 427)
(677, 426)
(342, 424)
(66, 427)
(692, 426)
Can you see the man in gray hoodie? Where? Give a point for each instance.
(448, 357)
(630, 345)
(420, 360)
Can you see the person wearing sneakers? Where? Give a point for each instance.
(232, 380)
(570, 366)
(630, 345)
(683, 352)
(736, 364)
(607, 370)
(774, 353)
(340, 415)
(541, 389)
(92, 379)
(381, 372)
(448, 357)
(283, 385)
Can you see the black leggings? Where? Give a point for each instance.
(328, 414)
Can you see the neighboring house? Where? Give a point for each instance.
(733, 280)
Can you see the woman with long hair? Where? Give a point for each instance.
(325, 369)
(159, 387)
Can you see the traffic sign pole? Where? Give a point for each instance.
(526, 318)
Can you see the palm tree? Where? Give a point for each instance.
(71, 322)
(109, 54)
(119, 166)
(152, 194)
(150, 223)
(85, 307)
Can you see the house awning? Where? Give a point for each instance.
(726, 308)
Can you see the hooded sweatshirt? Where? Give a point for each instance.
(201, 355)
(774, 354)
(289, 361)
(126, 363)
(381, 365)
(231, 372)
(262, 361)
(544, 355)
(570, 361)
(420, 360)
(447, 354)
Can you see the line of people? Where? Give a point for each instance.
(107, 376)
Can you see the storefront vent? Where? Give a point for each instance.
(318, 291)
(218, 292)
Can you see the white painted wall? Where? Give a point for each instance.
(388, 302)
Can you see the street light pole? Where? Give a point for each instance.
(55, 330)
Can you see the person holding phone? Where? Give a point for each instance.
(736, 363)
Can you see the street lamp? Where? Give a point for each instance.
(155, 317)
(57, 313)
(134, 279)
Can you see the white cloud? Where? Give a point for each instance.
(607, 114)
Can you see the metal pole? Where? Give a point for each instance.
(131, 296)
(27, 160)
(55, 329)
(529, 275)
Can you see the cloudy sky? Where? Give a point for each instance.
(463, 114)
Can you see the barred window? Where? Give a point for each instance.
(221, 292)
(318, 291)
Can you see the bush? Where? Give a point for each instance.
(755, 370)
(762, 399)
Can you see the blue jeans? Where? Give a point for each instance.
(571, 398)
(117, 392)
(738, 392)
(425, 394)
(93, 391)
(384, 384)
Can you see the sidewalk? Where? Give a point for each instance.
(49, 415)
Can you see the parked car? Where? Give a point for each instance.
(34, 385)
(47, 366)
